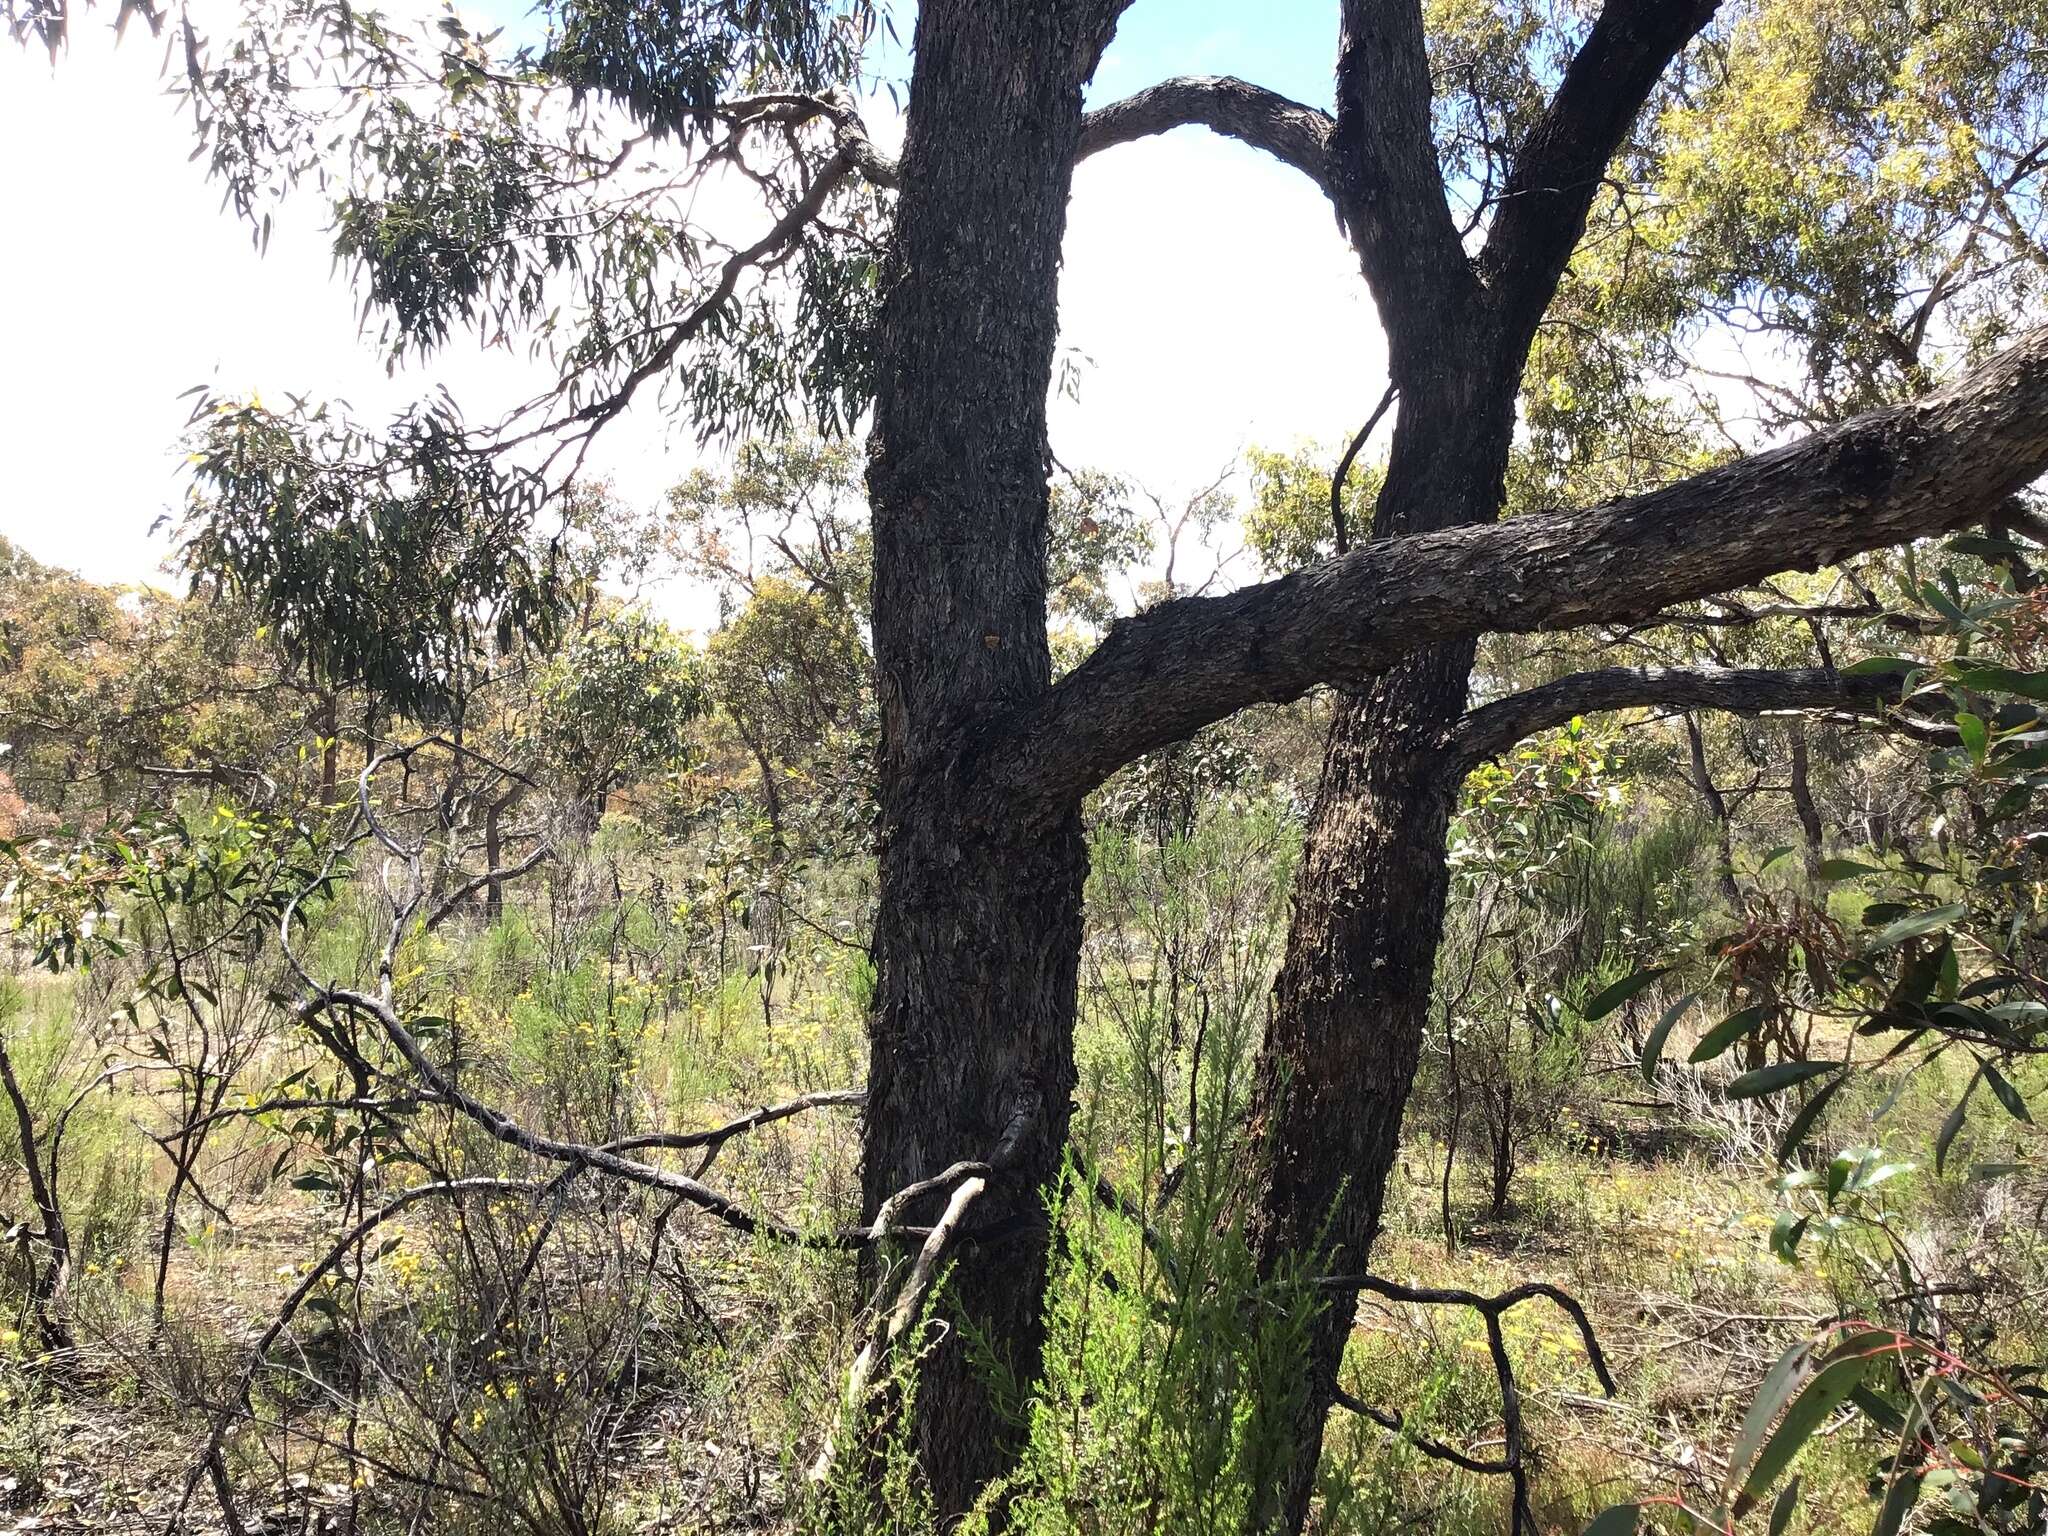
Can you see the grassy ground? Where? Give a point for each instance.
(603, 1365)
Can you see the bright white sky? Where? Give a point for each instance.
(1209, 287)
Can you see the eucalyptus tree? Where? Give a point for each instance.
(543, 189)
(1858, 186)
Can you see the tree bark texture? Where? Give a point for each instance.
(1345, 1030)
(984, 762)
(978, 935)
(1352, 1001)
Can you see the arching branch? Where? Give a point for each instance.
(1515, 1463)
(1880, 479)
(1295, 135)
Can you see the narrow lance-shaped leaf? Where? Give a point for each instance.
(1782, 1510)
(1779, 1383)
(1902, 1492)
(2008, 1095)
(1809, 1114)
(1609, 998)
(1618, 1521)
(1821, 1397)
(1660, 1032)
(1726, 1033)
(1777, 1077)
(1954, 1123)
(1912, 927)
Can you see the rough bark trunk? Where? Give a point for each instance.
(1352, 999)
(1345, 1031)
(1353, 994)
(978, 933)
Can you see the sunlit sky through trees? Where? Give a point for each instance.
(1208, 298)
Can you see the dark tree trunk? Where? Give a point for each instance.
(978, 934)
(49, 1279)
(1802, 799)
(771, 792)
(494, 851)
(328, 725)
(1352, 999)
(1717, 812)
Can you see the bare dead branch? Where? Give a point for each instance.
(503, 1128)
(1393, 1419)
(210, 1461)
(1339, 531)
(718, 1136)
(1514, 1465)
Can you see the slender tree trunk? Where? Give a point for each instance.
(494, 851)
(328, 725)
(978, 933)
(771, 793)
(48, 1280)
(1802, 799)
(1717, 811)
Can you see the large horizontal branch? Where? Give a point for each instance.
(1295, 135)
(1880, 479)
(1494, 728)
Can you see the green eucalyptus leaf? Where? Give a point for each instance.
(1916, 925)
(1726, 1033)
(2008, 1095)
(1820, 1398)
(1783, 1508)
(1609, 998)
(1660, 1032)
(1803, 1122)
(1777, 1077)
(1954, 1123)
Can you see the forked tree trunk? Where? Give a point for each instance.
(1352, 998)
(983, 763)
(978, 934)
